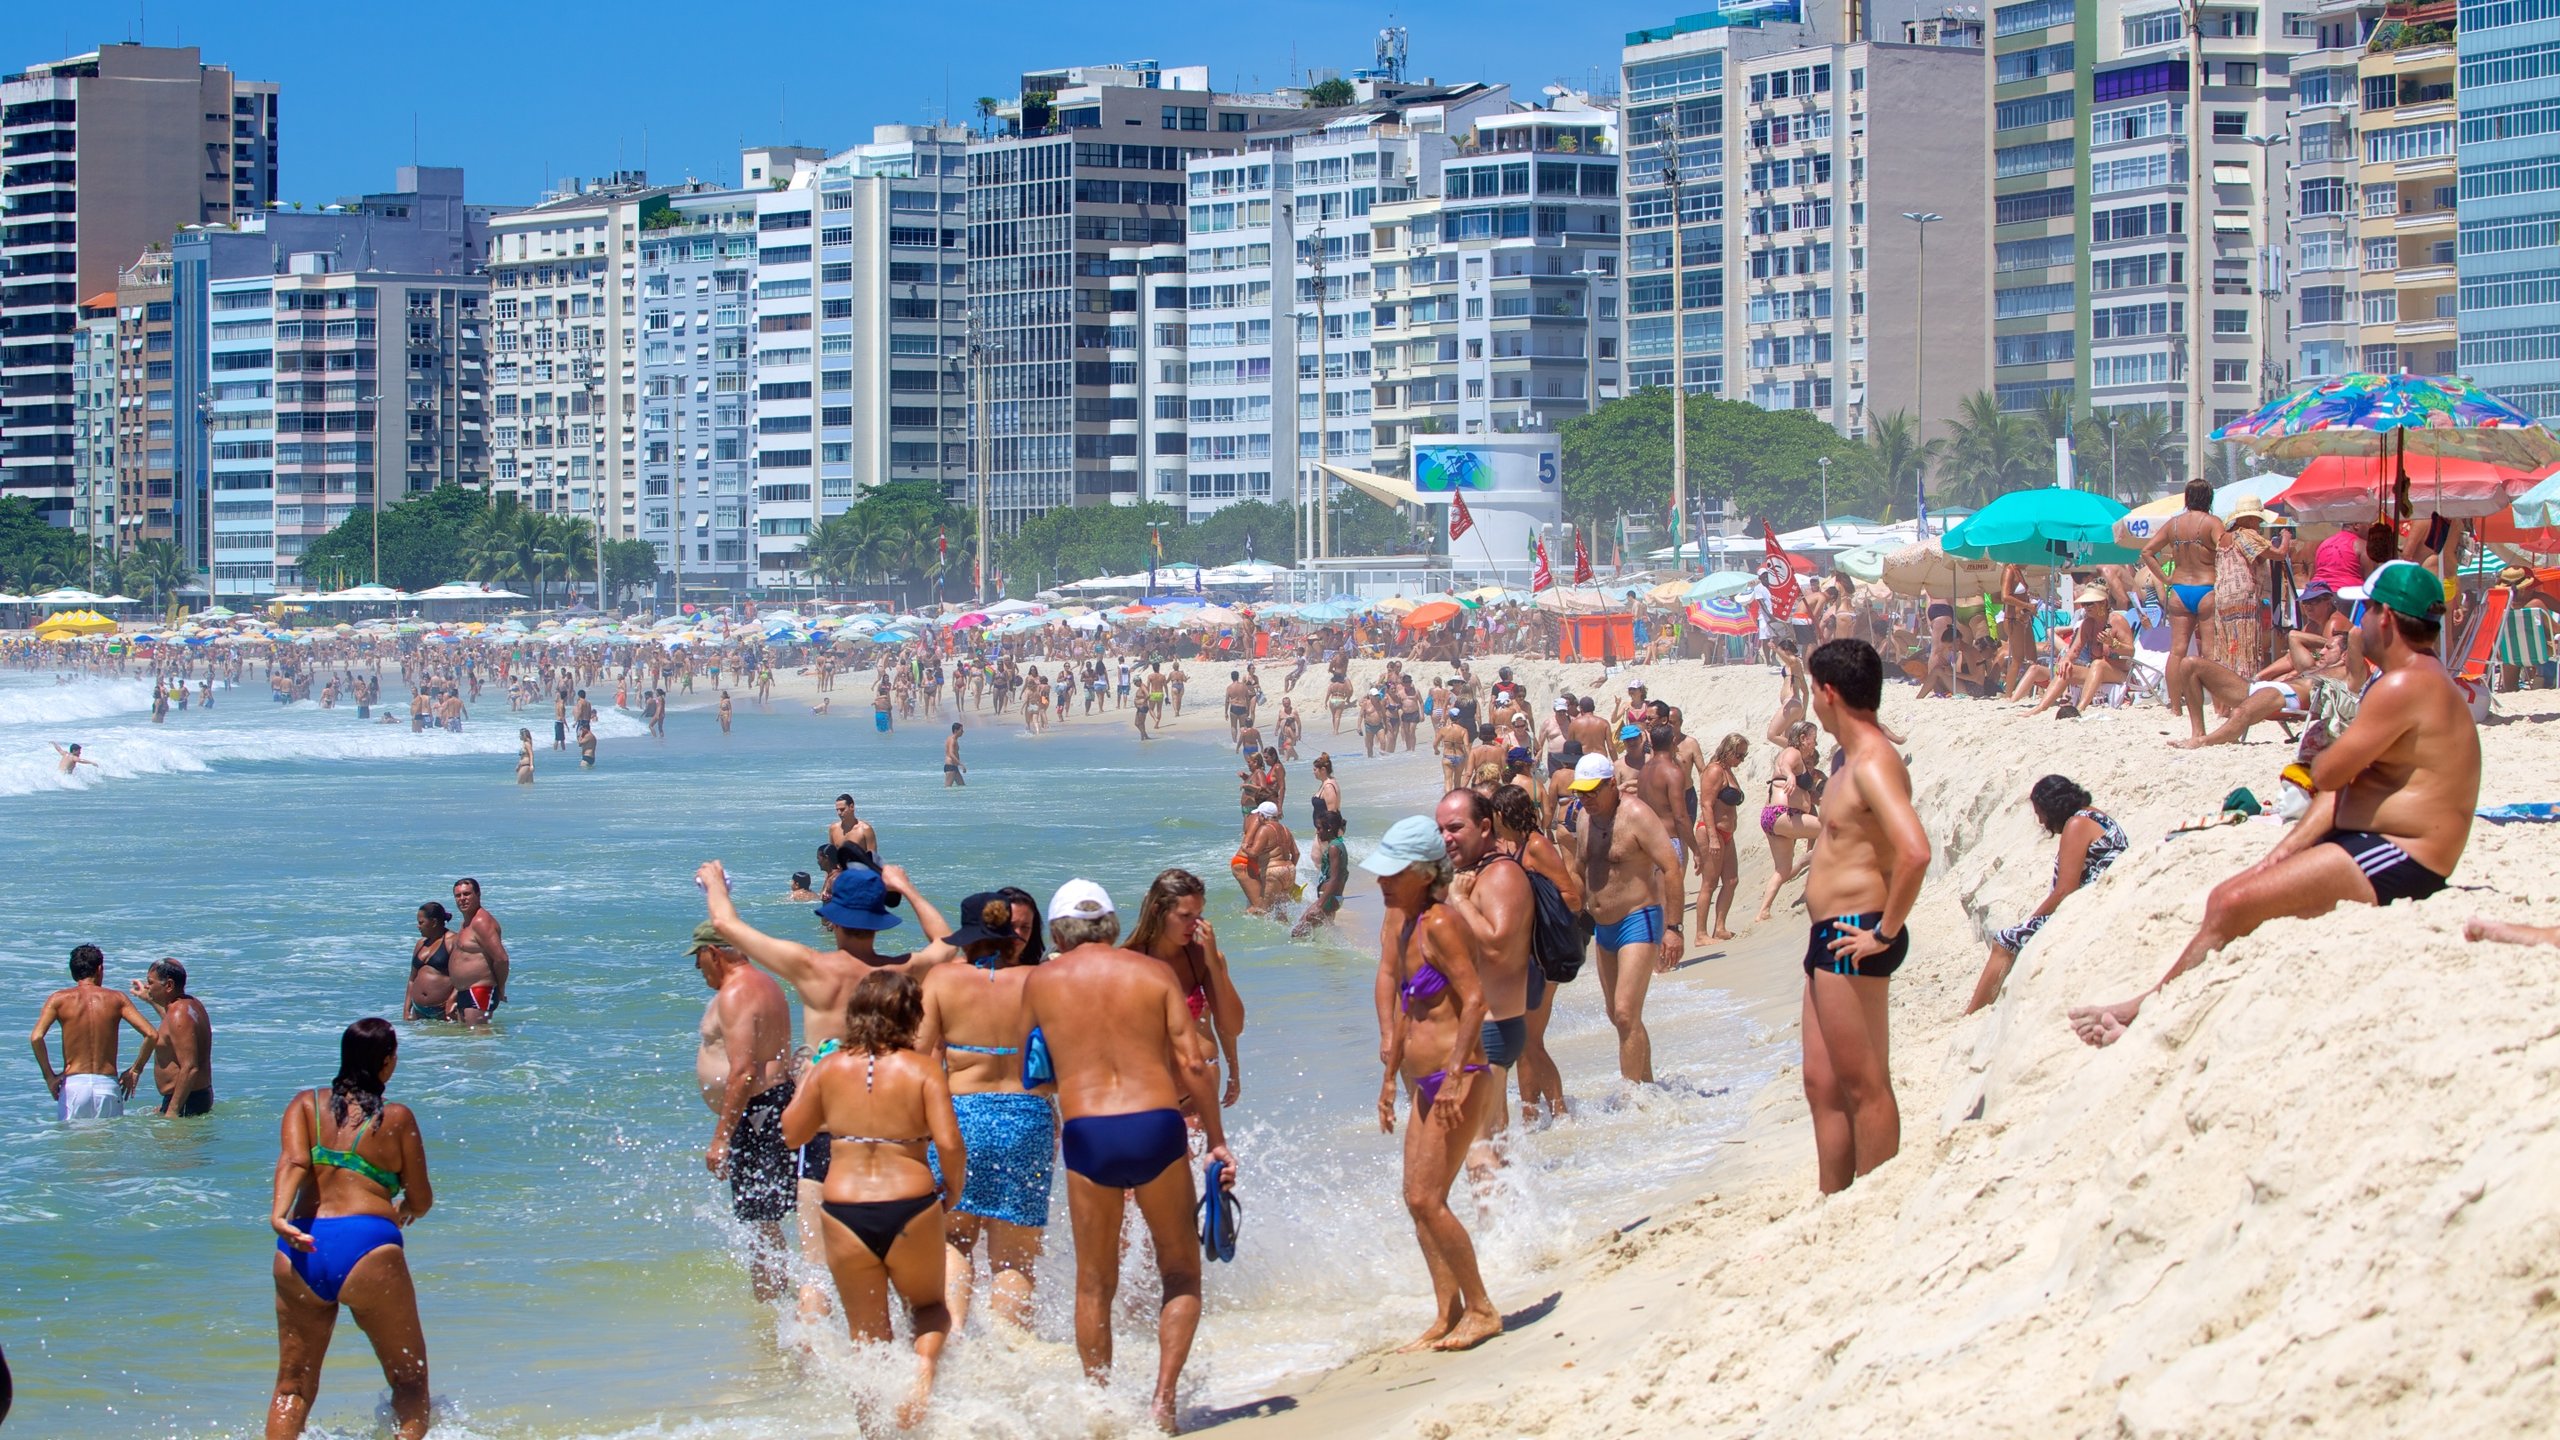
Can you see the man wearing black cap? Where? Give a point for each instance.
(2391, 797)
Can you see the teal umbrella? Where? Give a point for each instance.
(1864, 563)
(1720, 585)
(2540, 506)
(2048, 526)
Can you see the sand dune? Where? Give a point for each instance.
(2313, 1192)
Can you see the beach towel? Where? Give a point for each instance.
(2541, 812)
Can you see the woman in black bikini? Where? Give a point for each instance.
(1719, 865)
(882, 1101)
(431, 989)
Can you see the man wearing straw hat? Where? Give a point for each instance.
(2391, 797)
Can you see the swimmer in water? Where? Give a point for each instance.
(72, 759)
(524, 757)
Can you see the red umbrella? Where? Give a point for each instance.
(2345, 490)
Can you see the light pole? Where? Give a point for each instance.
(1672, 179)
(376, 400)
(2115, 485)
(2270, 249)
(1920, 355)
(1825, 462)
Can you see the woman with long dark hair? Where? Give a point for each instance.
(2090, 842)
(880, 1102)
(351, 1174)
(1171, 928)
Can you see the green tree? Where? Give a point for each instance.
(2151, 454)
(1892, 466)
(1363, 526)
(1219, 538)
(1989, 453)
(1325, 94)
(424, 540)
(155, 570)
(499, 546)
(1765, 464)
(1080, 541)
(36, 556)
(830, 552)
(631, 567)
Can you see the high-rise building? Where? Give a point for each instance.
(1497, 308)
(2406, 182)
(564, 357)
(2509, 199)
(94, 421)
(145, 435)
(1280, 236)
(2330, 240)
(2139, 234)
(1841, 303)
(103, 155)
(697, 384)
(1093, 158)
(330, 393)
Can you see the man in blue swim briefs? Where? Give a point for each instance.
(1866, 871)
(1117, 1035)
(1623, 852)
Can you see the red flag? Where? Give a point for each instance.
(1460, 522)
(1778, 575)
(1542, 578)
(1581, 559)
(942, 542)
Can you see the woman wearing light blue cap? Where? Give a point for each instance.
(1431, 1012)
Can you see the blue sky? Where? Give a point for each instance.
(586, 88)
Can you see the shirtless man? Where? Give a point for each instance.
(1125, 1054)
(1551, 734)
(744, 1070)
(479, 956)
(2391, 798)
(1483, 757)
(1588, 730)
(70, 758)
(182, 1058)
(855, 912)
(1663, 784)
(2193, 539)
(954, 773)
(1490, 891)
(1622, 850)
(848, 826)
(1867, 867)
(1239, 705)
(89, 1086)
(2321, 642)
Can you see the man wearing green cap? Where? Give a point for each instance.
(2391, 798)
(744, 1069)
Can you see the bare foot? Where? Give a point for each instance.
(1428, 1339)
(1720, 935)
(1473, 1329)
(1163, 1413)
(2478, 928)
(911, 1410)
(1761, 918)
(2195, 744)
(2103, 1025)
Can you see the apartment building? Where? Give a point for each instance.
(2321, 308)
(1841, 303)
(564, 349)
(332, 393)
(1150, 400)
(1094, 158)
(145, 428)
(93, 396)
(697, 387)
(1279, 251)
(2141, 266)
(784, 310)
(103, 155)
(1498, 298)
(2407, 191)
(2508, 199)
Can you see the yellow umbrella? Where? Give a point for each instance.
(2142, 521)
(1397, 605)
(1668, 591)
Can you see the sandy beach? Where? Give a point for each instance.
(2310, 1193)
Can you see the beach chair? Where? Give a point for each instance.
(2149, 669)
(2480, 642)
(2524, 642)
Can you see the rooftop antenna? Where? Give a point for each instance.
(1392, 48)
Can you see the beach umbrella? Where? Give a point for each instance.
(1430, 613)
(2043, 526)
(970, 621)
(73, 595)
(1723, 615)
(1865, 563)
(2341, 490)
(2539, 507)
(2430, 415)
(1395, 605)
(1668, 591)
(1914, 569)
(1716, 586)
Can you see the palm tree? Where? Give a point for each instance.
(569, 548)
(831, 553)
(1989, 453)
(2052, 418)
(2149, 451)
(157, 569)
(500, 547)
(1895, 461)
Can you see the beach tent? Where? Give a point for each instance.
(73, 596)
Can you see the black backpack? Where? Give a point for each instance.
(1556, 939)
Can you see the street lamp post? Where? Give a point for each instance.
(1920, 354)
(2270, 252)
(1825, 462)
(2115, 484)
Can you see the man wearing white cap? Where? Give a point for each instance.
(1119, 1040)
(1622, 850)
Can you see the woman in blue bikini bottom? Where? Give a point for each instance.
(351, 1173)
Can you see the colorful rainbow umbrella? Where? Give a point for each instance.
(2443, 415)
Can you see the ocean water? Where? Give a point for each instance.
(578, 1275)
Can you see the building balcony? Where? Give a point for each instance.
(2440, 218)
(2432, 327)
(2430, 167)
(2424, 275)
